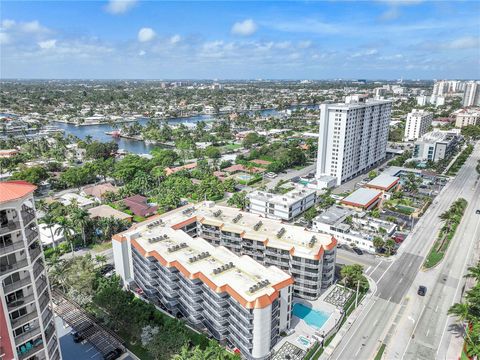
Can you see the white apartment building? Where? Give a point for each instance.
(27, 327)
(418, 122)
(422, 100)
(465, 117)
(231, 274)
(352, 137)
(284, 207)
(435, 145)
(471, 96)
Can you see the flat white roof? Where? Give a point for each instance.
(288, 198)
(362, 196)
(383, 181)
(66, 199)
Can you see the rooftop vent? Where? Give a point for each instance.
(199, 257)
(237, 218)
(281, 232)
(260, 285)
(217, 213)
(312, 242)
(177, 247)
(257, 226)
(223, 268)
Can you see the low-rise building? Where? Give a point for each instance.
(106, 212)
(285, 206)
(384, 182)
(436, 145)
(363, 199)
(98, 191)
(81, 201)
(465, 117)
(139, 205)
(170, 171)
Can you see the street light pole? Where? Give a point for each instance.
(356, 296)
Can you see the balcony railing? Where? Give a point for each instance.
(17, 285)
(27, 216)
(34, 253)
(27, 335)
(17, 245)
(9, 227)
(38, 268)
(20, 302)
(28, 352)
(6, 269)
(24, 319)
(41, 285)
(31, 235)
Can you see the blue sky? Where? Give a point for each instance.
(385, 39)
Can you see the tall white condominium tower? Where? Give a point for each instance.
(471, 96)
(418, 122)
(27, 328)
(353, 137)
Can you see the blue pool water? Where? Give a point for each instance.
(312, 317)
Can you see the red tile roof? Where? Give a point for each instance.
(15, 189)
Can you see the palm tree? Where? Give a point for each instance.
(101, 260)
(462, 312)
(68, 230)
(81, 218)
(49, 221)
(474, 272)
(183, 355)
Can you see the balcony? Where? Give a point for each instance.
(31, 234)
(46, 317)
(44, 301)
(24, 319)
(49, 332)
(13, 305)
(9, 227)
(20, 339)
(31, 348)
(7, 289)
(28, 215)
(17, 245)
(41, 284)
(34, 253)
(38, 269)
(6, 269)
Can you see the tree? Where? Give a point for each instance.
(80, 218)
(34, 175)
(49, 220)
(66, 229)
(212, 152)
(378, 243)
(239, 200)
(390, 245)
(351, 275)
(310, 214)
(372, 174)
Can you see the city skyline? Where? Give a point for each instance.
(230, 40)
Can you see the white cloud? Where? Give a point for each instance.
(146, 34)
(119, 6)
(175, 39)
(32, 27)
(244, 28)
(468, 42)
(4, 39)
(304, 44)
(7, 23)
(368, 52)
(142, 53)
(390, 14)
(47, 44)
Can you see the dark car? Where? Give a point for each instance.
(477, 212)
(114, 354)
(106, 268)
(358, 251)
(422, 290)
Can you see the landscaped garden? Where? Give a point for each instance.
(452, 218)
(460, 160)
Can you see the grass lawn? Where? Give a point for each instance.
(233, 146)
(101, 247)
(380, 352)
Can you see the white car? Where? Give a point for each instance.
(271, 175)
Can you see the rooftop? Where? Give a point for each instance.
(82, 201)
(288, 198)
(437, 136)
(105, 211)
(383, 182)
(14, 190)
(362, 197)
(334, 215)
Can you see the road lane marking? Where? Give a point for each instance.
(376, 267)
(368, 269)
(413, 332)
(428, 331)
(436, 309)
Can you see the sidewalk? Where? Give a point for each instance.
(328, 351)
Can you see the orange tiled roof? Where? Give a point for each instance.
(15, 189)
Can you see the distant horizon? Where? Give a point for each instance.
(239, 79)
(133, 39)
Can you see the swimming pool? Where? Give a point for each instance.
(302, 340)
(244, 177)
(313, 318)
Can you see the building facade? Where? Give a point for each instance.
(435, 145)
(465, 117)
(27, 328)
(471, 95)
(352, 137)
(418, 122)
(283, 207)
(232, 274)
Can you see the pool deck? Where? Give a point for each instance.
(301, 328)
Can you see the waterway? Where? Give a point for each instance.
(98, 132)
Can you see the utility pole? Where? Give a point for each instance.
(356, 296)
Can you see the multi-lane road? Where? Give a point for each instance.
(415, 327)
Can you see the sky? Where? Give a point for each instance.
(120, 39)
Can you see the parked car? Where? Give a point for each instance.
(477, 212)
(271, 175)
(357, 250)
(422, 290)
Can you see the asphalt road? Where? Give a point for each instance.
(390, 306)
